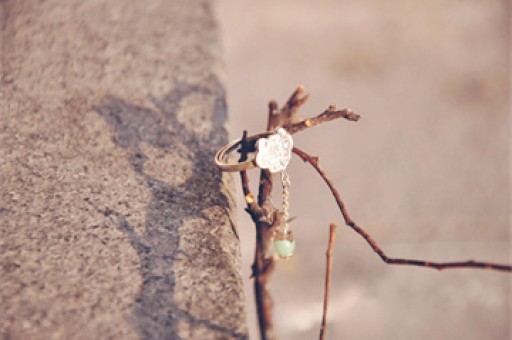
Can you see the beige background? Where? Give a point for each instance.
(425, 171)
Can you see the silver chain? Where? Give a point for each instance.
(285, 181)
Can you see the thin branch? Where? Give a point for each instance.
(288, 113)
(395, 261)
(262, 266)
(329, 114)
(328, 268)
(287, 117)
(272, 116)
(295, 101)
(252, 207)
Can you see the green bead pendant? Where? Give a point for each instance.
(284, 245)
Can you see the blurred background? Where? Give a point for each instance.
(425, 171)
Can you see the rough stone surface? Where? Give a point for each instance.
(114, 223)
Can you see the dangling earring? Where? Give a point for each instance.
(284, 244)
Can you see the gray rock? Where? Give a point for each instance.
(114, 222)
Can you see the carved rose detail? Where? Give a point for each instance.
(275, 152)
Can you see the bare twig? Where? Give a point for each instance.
(328, 268)
(389, 260)
(287, 115)
(262, 267)
(252, 207)
(295, 101)
(330, 114)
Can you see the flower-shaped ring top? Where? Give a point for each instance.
(275, 151)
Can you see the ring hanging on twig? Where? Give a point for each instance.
(273, 152)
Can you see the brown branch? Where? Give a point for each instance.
(288, 113)
(328, 254)
(395, 261)
(329, 114)
(262, 266)
(252, 207)
(295, 101)
(266, 216)
(262, 212)
(287, 117)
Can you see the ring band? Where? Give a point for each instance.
(222, 154)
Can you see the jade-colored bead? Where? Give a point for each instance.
(284, 248)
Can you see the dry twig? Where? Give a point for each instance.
(328, 268)
(389, 260)
(262, 213)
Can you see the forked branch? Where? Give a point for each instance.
(266, 216)
(263, 215)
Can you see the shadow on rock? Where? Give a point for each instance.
(155, 315)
